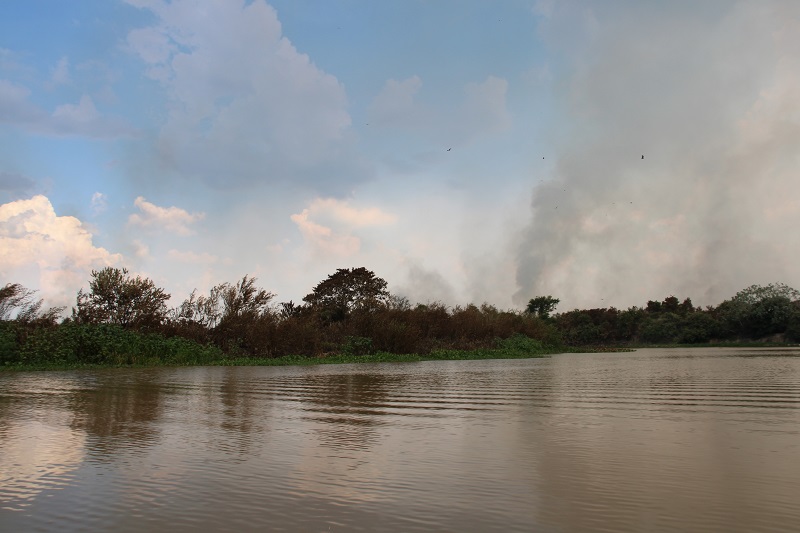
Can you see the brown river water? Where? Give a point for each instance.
(656, 440)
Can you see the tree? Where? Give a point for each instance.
(759, 311)
(698, 328)
(20, 303)
(653, 307)
(661, 328)
(756, 293)
(202, 311)
(242, 300)
(542, 306)
(115, 297)
(245, 318)
(670, 305)
(347, 290)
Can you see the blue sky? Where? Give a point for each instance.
(466, 151)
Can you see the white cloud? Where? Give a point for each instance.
(152, 45)
(99, 203)
(341, 212)
(245, 110)
(337, 238)
(48, 252)
(81, 119)
(76, 114)
(172, 219)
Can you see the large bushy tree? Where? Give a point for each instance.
(759, 311)
(116, 297)
(346, 290)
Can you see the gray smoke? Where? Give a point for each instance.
(706, 98)
(709, 97)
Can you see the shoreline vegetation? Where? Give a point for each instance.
(350, 317)
(518, 347)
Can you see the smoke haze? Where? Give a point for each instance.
(711, 102)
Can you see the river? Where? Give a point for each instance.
(654, 440)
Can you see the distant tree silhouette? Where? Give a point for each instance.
(347, 290)
(542, 306)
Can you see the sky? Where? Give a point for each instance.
(466, 151)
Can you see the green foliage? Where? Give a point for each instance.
(698, 328)
(115, 297)
(579, 328)
(759, 311)
(351, 317)
(793, 324)
(9, 348)
(109, 344)
(661, 329)
(542, 306)
(357, 346)
(757, 293)
(520, 343)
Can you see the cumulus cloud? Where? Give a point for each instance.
(48, 252)
(81, 119)
(84, 119)
(245, 110)
(172, 219)
(327, 225)
(709, 209)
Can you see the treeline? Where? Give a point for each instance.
(122, 319)
(768, 313)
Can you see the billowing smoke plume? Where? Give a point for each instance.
(679, 170)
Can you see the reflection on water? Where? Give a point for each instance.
(656, 440)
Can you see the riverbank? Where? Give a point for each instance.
(517, 347)
(513, 348)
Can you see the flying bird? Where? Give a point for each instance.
(449, 149)
(642, 156)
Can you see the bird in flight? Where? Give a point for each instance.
(643, 157)
(449, 149)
